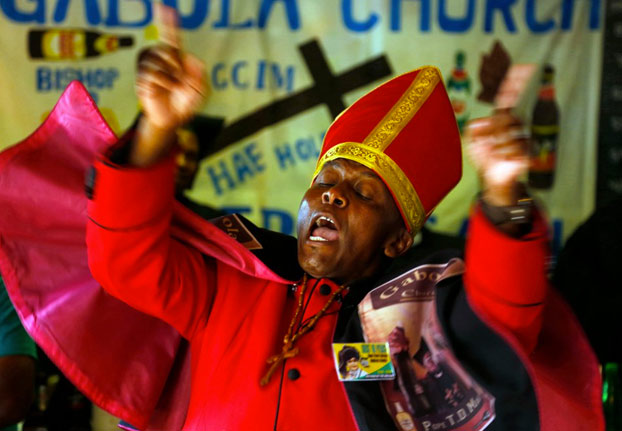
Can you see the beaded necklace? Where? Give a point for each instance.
(290, 338)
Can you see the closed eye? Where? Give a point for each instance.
(363, 195)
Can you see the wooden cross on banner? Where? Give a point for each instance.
(327, 89)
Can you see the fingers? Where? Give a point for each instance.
(160, 65)
(503, 133)
(161, 55)
(498, 149)
(195, 74)
(167, 22)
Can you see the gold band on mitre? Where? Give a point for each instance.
(370, 152)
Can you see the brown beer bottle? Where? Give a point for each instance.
(544, 134)
(73, 44)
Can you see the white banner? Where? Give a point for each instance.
(280, 70)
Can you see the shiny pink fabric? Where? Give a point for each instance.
(44, 264)
(130, 364)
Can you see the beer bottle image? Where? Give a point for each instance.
(404, 419)
(544, 134)
(73, 44)
(459, 90)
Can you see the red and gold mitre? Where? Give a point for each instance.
(406, 132)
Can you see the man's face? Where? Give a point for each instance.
(347, 222)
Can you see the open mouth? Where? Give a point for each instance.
(324, 229)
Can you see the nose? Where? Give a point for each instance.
(334, 197)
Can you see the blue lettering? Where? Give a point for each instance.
(285, 222)
(217, 177)
(306, 149)
(64, 77)
(595, 14)
(93, 16)
(455, 25)
(284, 156)
(532, 22)
(291, 9)
(396, 15)
(235, 74)
(44, 83)
(225, 17)
(196, 18)
(57, 79)
(110, 14)
(240, 76)
(278, 78)
(37, 15)
(502, 6)
(113, 15)
(216, 83)
(242, 169)
(351, 23)
(254, 157)
(567, 14)
(261, 75)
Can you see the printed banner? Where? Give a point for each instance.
(431, 390)
(281, 70)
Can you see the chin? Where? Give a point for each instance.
(316, 268)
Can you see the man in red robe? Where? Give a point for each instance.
(386, 162)
(260, 310)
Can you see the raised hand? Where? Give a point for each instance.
(170, 86)
(498, 148)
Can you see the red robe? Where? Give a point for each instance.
(234, 310)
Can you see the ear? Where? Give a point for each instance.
(399, 244)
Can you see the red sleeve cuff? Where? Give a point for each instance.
(505, 277)
(126, 197)
(510, 269)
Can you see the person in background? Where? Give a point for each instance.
(195, 141)
(17, 366)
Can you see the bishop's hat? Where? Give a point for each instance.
(406, 132)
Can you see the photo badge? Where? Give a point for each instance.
(363, 361)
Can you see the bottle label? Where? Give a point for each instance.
(63, 44)
(106, 44)
(405, 422)
(431, 390)
(543, 148)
